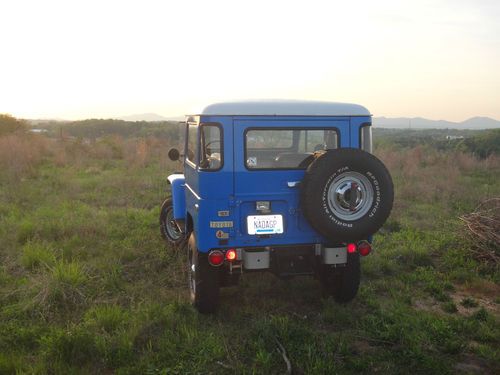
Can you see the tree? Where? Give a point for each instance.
(10, 124)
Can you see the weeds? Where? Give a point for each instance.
(469, 302)
(36, 254)
(61, 288)
(87, 285)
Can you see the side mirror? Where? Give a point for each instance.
(173, 154)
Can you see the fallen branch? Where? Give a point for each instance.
(483, 227)
(282, 351)
(222, 364)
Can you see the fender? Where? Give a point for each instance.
(177, 181)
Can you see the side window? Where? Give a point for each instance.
(269, 139)
(210, 147)
(191, 143)
(365, 138)
(315, 140)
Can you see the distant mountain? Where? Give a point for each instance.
(422, 123)
(481, 122)
(149, 117)
(381, 122)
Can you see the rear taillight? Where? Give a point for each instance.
(231, 255)
(364, 248)
(351, 248)
(216, 257)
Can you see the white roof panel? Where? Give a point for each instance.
(284, 108)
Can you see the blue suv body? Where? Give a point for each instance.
(245, 202)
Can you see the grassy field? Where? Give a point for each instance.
(88, 286)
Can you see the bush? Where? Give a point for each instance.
(63, 287)
(21, 153)
(10, 124)
(36, 254)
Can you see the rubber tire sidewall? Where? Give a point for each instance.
(343, 282)
(314, 194)
(205, 297)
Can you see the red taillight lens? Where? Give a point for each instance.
(231, 255)
(351, 248)
(216, 257)
(364, 248)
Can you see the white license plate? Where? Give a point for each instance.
(265, 224)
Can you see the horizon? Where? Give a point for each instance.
(80, 60)
(181, 117)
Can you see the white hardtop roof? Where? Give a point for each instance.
(284, 108)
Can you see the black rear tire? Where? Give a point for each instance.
(203, 279)
(342, 282)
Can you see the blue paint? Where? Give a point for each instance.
(178, 195)
(236, 189)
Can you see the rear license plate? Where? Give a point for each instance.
(265, 224)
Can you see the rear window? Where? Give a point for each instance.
(286, 148)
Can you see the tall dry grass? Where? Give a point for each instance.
(20, 154)
(429, 176)
(421, 173)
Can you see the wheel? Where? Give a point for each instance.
(168, 228)
(342, 282)
(203, 279)
(346, 194)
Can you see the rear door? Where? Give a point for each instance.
(269, 163)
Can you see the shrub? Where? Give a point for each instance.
(469, 302)
(107, 318)
(21, 153)
(61, 288)
(10, 124)
(37, 254)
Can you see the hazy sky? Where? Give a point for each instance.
(77, 59)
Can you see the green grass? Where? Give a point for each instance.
(37, 255)
(88, 286)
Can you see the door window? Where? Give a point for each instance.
(210, 147)
(191, 142)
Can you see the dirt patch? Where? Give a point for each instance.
(485, 288)
(362, 347)
(467, 299)
(472, 365)
(487, 304)
(428, 304)
(483, 294)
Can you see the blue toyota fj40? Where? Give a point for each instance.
(289, 187)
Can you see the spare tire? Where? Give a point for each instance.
(346, 194)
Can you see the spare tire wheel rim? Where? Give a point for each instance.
(350, 196)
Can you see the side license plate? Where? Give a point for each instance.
(265, 224)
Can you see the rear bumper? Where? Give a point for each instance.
(289, 260)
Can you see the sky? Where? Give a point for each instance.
(76, 59)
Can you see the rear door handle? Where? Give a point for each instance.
(292, 184)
